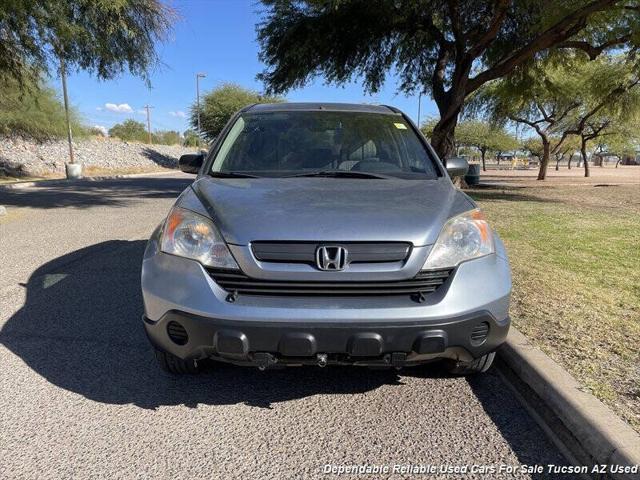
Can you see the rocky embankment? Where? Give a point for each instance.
(20, 158)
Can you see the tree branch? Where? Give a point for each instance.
(591, 50)
(564, 29)
(499, 14)
(454, 13)
(533, 124)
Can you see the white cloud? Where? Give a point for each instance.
(103, 129)
(141, 112)
(178, 113)
(99, 109)
(118, 108)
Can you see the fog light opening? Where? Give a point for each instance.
(479, 334)
(177, 333)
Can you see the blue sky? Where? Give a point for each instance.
(216, 37)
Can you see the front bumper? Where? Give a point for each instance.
(360, 330)
(267, 343)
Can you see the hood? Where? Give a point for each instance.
(330, 209)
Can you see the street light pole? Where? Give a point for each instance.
(419, 105)
(198, 77)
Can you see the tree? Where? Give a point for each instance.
(485, 137)
(446, 48)
(34, 112)
(102, 37)
(568, 147)
(166, 137)
(624, 143)
(539, 97)
(219, 105)
(610, 100)
(560, 98)
(129, 131)
(534, 147)
(190, 138)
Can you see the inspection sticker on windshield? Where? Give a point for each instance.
(400, 126)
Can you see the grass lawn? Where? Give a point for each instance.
(575, 255)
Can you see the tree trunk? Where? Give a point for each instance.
(544, 160)
(583, 151)
(558, 160)
(569, 162)
(443, 139)
(484, 165)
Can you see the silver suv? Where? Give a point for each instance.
(324, 234)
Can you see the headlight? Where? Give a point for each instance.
(463, 237)
(187, 234)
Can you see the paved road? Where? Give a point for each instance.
(80, 394)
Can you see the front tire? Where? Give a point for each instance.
(175, 365)
(478, 365)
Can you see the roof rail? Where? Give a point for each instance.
(393, 109)
(248, 107)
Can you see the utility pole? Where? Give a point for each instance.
(198, 77)
(419, 105)
(63, 75)
(147, 107)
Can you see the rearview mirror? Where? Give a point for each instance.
(191, 162)
(457, 167)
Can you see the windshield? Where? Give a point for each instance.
(290, 143)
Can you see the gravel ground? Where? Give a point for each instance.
(81, 396)
(24, 158)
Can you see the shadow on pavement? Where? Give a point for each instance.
(81, 329)
(87, 193)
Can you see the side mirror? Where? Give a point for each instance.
(457, 167)
(191, 162)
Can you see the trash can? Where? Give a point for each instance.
(473, 175)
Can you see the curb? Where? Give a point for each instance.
(65, 181)
(604, 436)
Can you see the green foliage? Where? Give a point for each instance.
(103, 37)
(190, 138)
(533, 145)
(129, 131)
(347, 39)
(447, 49)
(133, 131)
(166, 137)
(96, 132)
(219, 105)
(575, 96)
(478, 134)
(484, 136)
(32, 110)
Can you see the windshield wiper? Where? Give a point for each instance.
(232, 175)
(339, 174)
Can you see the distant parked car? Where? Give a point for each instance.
(324, 234)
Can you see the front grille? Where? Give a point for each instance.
(305, 252)
(234, 281)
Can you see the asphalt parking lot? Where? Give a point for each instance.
(81, 395)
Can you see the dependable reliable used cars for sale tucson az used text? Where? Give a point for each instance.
(324, 234)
